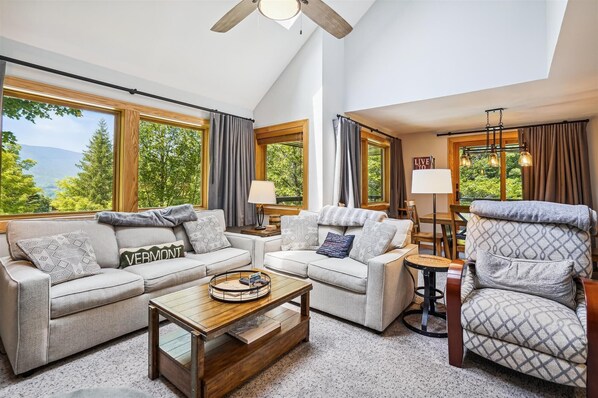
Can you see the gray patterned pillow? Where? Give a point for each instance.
(65, 256)
(206, 235)
(373, 241)
(299, 232)
(549, 279)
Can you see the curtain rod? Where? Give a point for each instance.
(132, 91)
(510, 128)
(365, 126)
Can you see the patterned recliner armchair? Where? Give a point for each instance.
(527, 333)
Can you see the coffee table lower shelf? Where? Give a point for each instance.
(228, 361)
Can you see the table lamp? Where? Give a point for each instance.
(261, 193)
(432, 181)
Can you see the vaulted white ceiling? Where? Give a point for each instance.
(166, 41)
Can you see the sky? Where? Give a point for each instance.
(64, 132)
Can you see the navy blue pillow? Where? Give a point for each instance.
(337, 246)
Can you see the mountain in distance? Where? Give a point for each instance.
(53, 164)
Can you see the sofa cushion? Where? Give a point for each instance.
(528, 321)
(402, 236)
(222, 260)
(549, 279)
(206, 235)
(109, 286)
(292, 262)
(373, 241)
(143, 236)
(64, 257)
(337, 246)
(147, 254)
(181, 234)
(323, 231)
(345, 273)
(299, 232)
(102, 237)
(166, 273)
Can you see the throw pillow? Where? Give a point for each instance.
(337, 246)
(206, 235)
(403, 235)
(299, 232)
(64, 257)
(549, 279)
(373, 241)
(146, 254)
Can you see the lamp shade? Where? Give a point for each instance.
(431, 181)
(262, 192)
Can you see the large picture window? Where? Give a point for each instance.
(170, 164)
(281, 157)
(56, 157)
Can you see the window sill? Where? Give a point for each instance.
(282, 210)
(377, 206)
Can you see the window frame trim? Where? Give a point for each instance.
(126, 140)
(368, 138)
(454, 145)
(294, 127)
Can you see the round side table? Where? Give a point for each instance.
(429, 265)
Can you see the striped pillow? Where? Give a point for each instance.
(146, 254)
(337, 246)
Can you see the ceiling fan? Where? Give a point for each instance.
(280, 10)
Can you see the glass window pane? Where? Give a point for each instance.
(284, 167)
(55, 158)
(170, 165)
(478, 181)
(375, 174)
(514, 183)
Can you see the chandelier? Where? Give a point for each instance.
(495, 145)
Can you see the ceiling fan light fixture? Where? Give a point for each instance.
(279, 10)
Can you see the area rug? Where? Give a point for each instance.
(341, 360)
(103, 393)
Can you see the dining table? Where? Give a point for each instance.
(445, 222)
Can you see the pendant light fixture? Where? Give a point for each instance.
(495, 146)
(279, 10)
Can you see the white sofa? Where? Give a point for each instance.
(372, 294)
(40, 323)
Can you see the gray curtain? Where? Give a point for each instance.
(398, 189)
(561, 166)
(347, 176)
(2, 74)
(232, 168)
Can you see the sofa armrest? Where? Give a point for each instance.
(240, 241)
(25, 314)
(453, 312)
(266, 245)
(390, 287)
(590, 289)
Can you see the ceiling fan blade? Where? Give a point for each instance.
(234, 16)
(326, 17)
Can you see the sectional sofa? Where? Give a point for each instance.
(40, 323)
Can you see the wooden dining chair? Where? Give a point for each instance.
(459, 218)
(417, 236)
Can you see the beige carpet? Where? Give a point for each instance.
(341, 360)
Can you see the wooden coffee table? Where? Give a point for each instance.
(200, 359)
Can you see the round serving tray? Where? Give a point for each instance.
(226, 287)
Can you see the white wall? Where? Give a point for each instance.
(18, 50)
(411, 50)
(296, 95)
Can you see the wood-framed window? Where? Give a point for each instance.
(375, 171)
(281, 156)
(171, 166)
(107, 153)
(480, 180)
